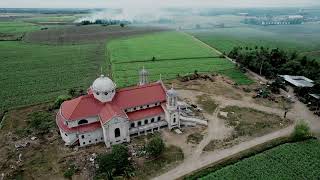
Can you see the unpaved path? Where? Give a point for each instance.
(191, 165)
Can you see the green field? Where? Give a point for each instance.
(302, 38)
(17, 27)
(167, 45)
(52, 19)
(289, 161)
(175, 53)
(32, 73)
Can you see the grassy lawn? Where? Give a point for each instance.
(175, 54)
(33, 73)
(289, 161)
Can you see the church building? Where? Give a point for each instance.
(113, 116)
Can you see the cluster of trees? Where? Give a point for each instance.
(273, 62)
(117, 162)
(105, 22)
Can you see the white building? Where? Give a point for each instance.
(110, 115)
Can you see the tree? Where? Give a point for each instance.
(114, 163)
(122, 24)
(301, 131)
(155, 147)
(60, 99)
(72, 92)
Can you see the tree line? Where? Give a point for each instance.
(272, 62)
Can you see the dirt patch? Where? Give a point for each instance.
(195, 138)
(251, 122)
(148, 168)
(43, 157)
(221, 144)
(220, 85)
(207, 103)
(83, 34)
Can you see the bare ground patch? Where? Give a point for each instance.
(246, 123)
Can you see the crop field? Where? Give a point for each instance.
(71, 34)
(61, 18)
(33, 73)
(167, 45)
(17, 27)
(302, 38)
(174, 53)
(289, 161)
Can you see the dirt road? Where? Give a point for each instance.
(193, 164)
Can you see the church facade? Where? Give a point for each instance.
(113, 116)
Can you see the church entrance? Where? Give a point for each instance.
(117, 133)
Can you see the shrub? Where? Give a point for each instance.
(40, 121)
(301, 131)
(70, 172)
(155, 147)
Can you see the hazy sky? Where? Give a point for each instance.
(152, 3)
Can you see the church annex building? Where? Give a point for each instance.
(110, 115)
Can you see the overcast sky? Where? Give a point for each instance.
(152, 3)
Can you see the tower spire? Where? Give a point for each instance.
(143, 76)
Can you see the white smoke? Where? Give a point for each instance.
(141, 15)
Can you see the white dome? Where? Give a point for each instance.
(103, 84)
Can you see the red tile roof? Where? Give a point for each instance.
(109, 111)
(82, 129)
(81, 107)
(140, 95)
(88, 106)
(145, 113)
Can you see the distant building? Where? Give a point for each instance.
(275, 20)
(113, 116)
(298, 81)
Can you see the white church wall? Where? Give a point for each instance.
(142, 107)
(68, 138)
(75, 123)
(110, 129)
(91, 137)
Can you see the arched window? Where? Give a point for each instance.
(174, 120)
(82, 121)
(117, 132)
(146, 121)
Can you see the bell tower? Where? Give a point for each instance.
(143, 77)
(172, 111)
